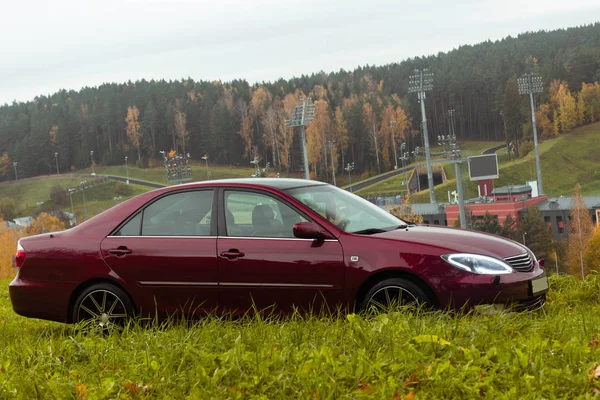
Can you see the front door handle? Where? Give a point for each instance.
(120, 251)
(232, 254)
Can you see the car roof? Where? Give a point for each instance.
(276, 183)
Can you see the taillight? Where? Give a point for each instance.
(20, 256)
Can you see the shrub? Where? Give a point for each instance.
(122, 189)
(8, 209)
(58, 195)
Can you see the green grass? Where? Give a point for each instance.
(547, 354)
(27, 192)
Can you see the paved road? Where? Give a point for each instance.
(136, 182)
(122, 179)
(377, 179)
(494, 149)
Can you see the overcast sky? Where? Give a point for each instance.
(49, 45)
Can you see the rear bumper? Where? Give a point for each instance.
(41, 299)
(513, 290)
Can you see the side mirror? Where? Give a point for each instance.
(310, 230)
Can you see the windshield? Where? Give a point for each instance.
(348, 212)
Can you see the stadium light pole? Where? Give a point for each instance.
(92, 157)
(205, 158)
(420, 83)
(82, 186)
(452, 151)
(127, 169)
(350, 168)
(56, 158)
(301, 116)
(16, 174)
(392, 126)
(330, 143)
(71, 190)
(529, 84)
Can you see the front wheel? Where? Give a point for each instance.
(103, 306)
(394, 292)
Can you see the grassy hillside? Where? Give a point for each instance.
(28, 192)
(569, 159)
(548, 354)
(394, 184)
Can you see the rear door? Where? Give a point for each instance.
(167, 252)
(262, 264)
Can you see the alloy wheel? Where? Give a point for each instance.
(102, 309)
(390, 297)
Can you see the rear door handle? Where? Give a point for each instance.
(232, 254)
(120, 251)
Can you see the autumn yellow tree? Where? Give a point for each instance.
(591, 98)
(580, 231)
(370, 121)
(580, 109)
(8, 248)
(544, 125)
(44, 223)
(133, 128)
(406, 212)
(5, 163)
(591, 258)
(53, 133)
(317, 134)
(565, 106)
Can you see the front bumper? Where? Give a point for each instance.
(41, 299)
(513, 290)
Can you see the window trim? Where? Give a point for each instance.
(222, 228)
(213, 221)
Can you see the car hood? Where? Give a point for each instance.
(457, 240)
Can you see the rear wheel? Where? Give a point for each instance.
(103, 306)
(392, 293)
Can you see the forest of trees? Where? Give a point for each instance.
(233, 122)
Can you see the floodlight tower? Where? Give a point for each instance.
(392, 126)
(452, 152)
(529, 84)
(301, 116)
(420, 83)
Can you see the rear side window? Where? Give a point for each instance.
(132, 228)
(178, 214)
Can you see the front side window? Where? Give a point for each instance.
(348, 212)
(178, 214)
(255, 214)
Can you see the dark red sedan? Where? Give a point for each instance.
(235, 245)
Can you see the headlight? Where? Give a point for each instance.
(478, 264)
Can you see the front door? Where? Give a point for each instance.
(263, 266)
(167, 253)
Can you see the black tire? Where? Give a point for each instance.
(103, 307)
(395, 292)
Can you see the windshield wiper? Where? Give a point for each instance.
(404, 226)
(370, 231)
